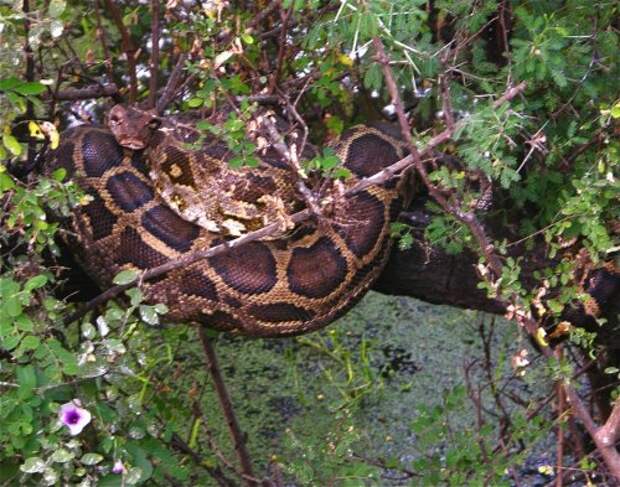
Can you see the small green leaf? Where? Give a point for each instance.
(33, 465)
(59, 174)
(32, 88)
(35, 282)
(91, 458)
(6, 181)
(149, 315)
(30, 342)
(11, 144)
(27, 380)
(135, 296)
(615, 110)
(125, 277)
(24, 323)
(62, 455)
(56, 8)
(10, 342)
(341, 173)
(13, 307)
(195, 102)
(9, 83)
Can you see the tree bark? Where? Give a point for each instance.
(433, 275)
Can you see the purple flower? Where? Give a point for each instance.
(119, 467)
(74, 417)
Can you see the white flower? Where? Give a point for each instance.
(74, 417)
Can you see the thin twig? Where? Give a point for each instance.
(174, 81)
(154, 61)
(177, 442)
(128, 47)
(467, 218)
(32, 148)
(100, 34)
(227, 408)
(560, 434)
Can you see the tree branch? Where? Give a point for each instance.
(154, 61)
(128, 47)
(227, 408)
(86, 93)
(172, 85)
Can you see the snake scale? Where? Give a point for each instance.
(293, 283)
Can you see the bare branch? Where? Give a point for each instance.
(154, 61)
(227, 409)
(177, 442)
(87, 92)
(174, 81)
(128, 47)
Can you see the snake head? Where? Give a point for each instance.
(132, 128)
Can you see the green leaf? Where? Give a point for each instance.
(56, 8)
(135, 296)
(125, 277)
(6, 182)
(9, 83)
(10, 342)
(149, 315)
(24, 323)
(59, 174)
(32, 88)
(615, 110)
(30, 342)
(62, 455)
(195, 102)
(27, 380)
(11, 144)
(33, 465)
(111, 480)
(91, 458)
(13, 307)
(35, 282)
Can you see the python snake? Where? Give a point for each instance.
(298, 281)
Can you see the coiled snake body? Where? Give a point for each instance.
(293, 283)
